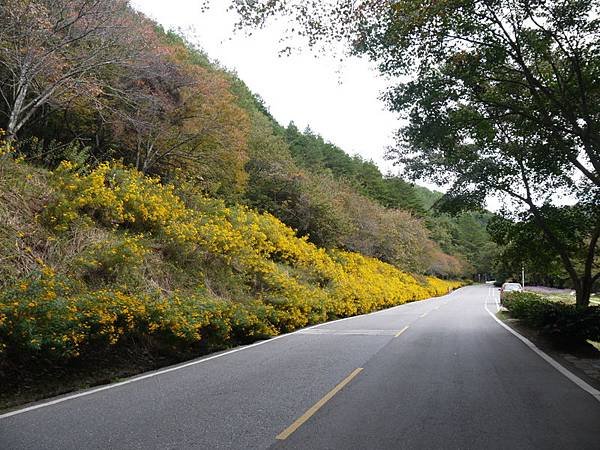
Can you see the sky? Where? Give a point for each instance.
(338, 99)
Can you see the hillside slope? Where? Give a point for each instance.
(162, 106)
(94, 259)
(151, 209)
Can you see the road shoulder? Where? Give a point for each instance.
(584, 363)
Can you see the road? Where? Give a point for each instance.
(436, 374)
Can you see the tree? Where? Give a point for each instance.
(401, 195)
(175, 113)
(393, 236)
(501, 95)
(523, 243)
(185, 117)
(51, 51)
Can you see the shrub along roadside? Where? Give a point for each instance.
(564, 324)
(269, 280)
(50, 316)
(53, 318)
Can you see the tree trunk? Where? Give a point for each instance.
(11, 131)
(583, 292)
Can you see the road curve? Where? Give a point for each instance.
(434, 374)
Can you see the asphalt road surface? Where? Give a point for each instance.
(436, 374)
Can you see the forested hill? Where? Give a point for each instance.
(464, 237)
(338, 200)
(164, 108)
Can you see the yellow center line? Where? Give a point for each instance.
(401, 331)
(313, 409)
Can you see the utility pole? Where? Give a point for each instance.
(523, 276)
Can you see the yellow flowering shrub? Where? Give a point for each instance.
(5, 145)
(292, 282)
(109, 259)
(51, 315)
(113, 195)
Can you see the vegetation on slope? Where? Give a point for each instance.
(161, 106)
(109, 253)
(458, 245)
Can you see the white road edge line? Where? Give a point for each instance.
(563, 370)
(496, 298)
(191, 363)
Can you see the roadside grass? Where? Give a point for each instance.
(504, 315)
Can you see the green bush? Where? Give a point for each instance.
(569, 323)
(559, 321)
(526, 306)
